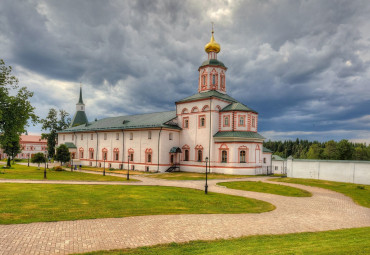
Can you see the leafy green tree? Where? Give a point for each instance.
(15, 110)
(13, 147)
(38, 158)
(345, 150)
(360, 153)
(52, 124)
(62, 154)
(330, 150)
(314, 152)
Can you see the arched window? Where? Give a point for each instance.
(242, 156)
(105, 154)
(148, 155)
(226, 121)
(81, 152)
(91, 152)
(131, 154)
(224, 156)
(116, 154)
(186, 155)
(200, 155)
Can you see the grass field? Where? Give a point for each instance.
(24, 203)
(358, 192)
(194, 176)
(347, 241)
(266, 188)
(32, 173)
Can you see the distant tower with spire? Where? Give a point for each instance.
(80, 117)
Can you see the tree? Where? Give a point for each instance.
(345, 150)
(52, 124)
(15, 110)
(314, 152)
(330, 150)
(62, 154)
(38, 158)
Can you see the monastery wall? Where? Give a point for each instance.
(331, 170)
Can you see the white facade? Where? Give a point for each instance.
(209, 124)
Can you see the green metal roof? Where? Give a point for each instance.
(213, 62)
(175, 150)
(150, 120)
(243, 134)
(70, 145)
(276, 157)
(208, 94)
(79, 119)
(266, 150)
(80, 101)
(237, 107)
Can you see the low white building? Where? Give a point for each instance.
(207, 125)
(279, 165)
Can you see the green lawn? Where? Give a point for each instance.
(24, 203)
(195, 176)
(117, 171)
(267, 188)
(32, 173)
(347, 241)
(358, 192)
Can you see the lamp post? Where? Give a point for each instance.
(104, 165)
(128, 168)
(28, 155)
(206, 186)
(71, 162)
(46, 155)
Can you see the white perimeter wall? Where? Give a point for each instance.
(331, 170)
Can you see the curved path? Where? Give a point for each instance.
(325, 210)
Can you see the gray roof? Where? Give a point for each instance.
(149, 120)
(237, 107)
(208, 94)
(243, 134)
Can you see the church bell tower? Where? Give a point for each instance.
(212, 71)
(80, 117)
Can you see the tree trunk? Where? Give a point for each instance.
(8, 162)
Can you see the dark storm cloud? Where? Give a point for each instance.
(303, 65)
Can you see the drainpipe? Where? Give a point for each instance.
(97, 148)
(159, 138)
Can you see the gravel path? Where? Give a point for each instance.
(325, 210)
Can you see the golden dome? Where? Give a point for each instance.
(212, 46)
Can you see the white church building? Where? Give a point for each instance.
(207, 126)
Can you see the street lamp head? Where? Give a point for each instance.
(206, 158)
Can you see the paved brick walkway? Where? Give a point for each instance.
(325, 210)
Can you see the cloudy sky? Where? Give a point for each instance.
(303, 65)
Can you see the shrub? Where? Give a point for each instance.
(111, 169)
(360, 187)
(58, 168)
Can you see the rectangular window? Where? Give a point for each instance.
(73, 137)
(204, 80)
(132, 157)
(92, 136)
(253, 122)
(81, 154)
(241, 120)
(116, 156)
(105, 136)
(91, 155)
(82, 137)
(149, 134)
(64, 137)
(224, 156)
(117, 136)
(185, 123)
(202, 121)
(213, 79)
(170, 136)
(131, 136)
